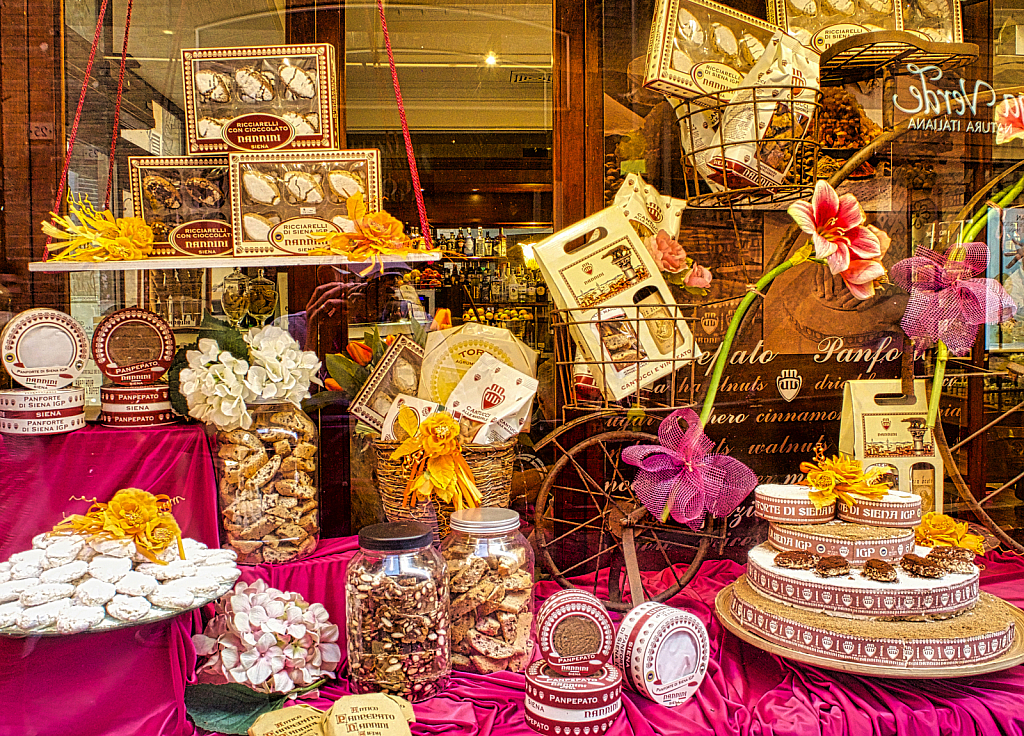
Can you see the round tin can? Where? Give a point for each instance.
(40, 426)
(44, 348)
(663, 652)
(557, 704)
(133, 347)
(136, 406)
(790, 504)
(895, 509)
(42, 400)
(574, 632)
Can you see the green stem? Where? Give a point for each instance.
(941, 355)
(730, 335)
(1007, 197)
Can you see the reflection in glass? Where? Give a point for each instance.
(234, 298)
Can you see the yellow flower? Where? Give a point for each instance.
(157, 535)
(840, 477)
(436, 465)
(92, 235)
(939, 530)
(129, 511)
(440, 435)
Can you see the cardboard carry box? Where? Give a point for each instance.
(881, 432)
(260, 98)
(619, 317)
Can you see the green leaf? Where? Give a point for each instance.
(178, 401)
(375, 344)
(350, 375)
(230, 708)
(419, 332)
(227, 337)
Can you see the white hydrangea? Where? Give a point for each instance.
(218, 385)
(214, 386)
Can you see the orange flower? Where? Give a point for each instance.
(433, 453)
(442, 320)
(939, 530)
(840, 477)
(129, 511)
(376, 234)
(359, 352)
(440, 435)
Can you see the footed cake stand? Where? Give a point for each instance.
(1010, 658)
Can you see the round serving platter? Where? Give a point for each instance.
(1011, 658)
(112, 624)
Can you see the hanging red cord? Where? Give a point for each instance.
(417, 191)
(117, 105)
(78, 117)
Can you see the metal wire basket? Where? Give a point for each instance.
(779, 165)
(582, 376)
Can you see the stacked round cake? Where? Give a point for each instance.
(857, 589)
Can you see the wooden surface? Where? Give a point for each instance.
(1011, 658)
(156, 264)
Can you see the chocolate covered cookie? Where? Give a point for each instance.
(921, 567)
(879, 571)
(953, 559)
(832, 566)
(796, 560)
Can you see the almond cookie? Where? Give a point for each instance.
(128, 607)
(9, 613)
(137, 584)
(5, 571)
(920, 567)
(880, 571)
(832, 566)
(42, 593)
(75, 619)
(12, 589)
(173, 597)
(796, 560)
(94, 592)
(68, 573)
(950, 559)
(37, 617)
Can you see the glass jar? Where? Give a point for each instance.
(268, 485)
(396, 600)
(490, 574)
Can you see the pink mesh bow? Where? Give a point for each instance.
(680, 472)
(947, 302)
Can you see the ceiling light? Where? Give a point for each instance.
(167, 32)
(491, 59)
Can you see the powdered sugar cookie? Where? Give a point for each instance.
(137, 584)
(110, 569)
(220, 557)
(12, 589)
(128, 607)
(115, 548)
(37, 617)
(94, 592)
(42, 541)
(75, 619)
(201, 585)
(222, 573)
(28, 564)
(87, 553)
(5, 571)
(67, 573)
(9, 613)
(64, 550)
(170, 571)
(172, 596)
(42, 593)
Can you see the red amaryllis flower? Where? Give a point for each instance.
(836, 226)
(1009, 120)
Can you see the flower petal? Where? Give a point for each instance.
(864, 243)
(825, 202)
(803, 214)
(849, 213)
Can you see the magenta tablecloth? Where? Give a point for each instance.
(40, 475)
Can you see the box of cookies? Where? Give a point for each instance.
(700, 46)
(187, 203)
(260, 98)
(278, 200)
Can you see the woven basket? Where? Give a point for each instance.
(492, 471)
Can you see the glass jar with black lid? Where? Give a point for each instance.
(396, 590)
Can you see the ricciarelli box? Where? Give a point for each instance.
(260, 98)
(278, 200)
(187, 203)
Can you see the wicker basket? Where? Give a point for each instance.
(492, 472)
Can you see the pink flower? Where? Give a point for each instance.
(836, 226)
(1009, 120)
(667, 253)
(699, 277)
(262, 661)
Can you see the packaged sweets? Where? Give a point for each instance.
(700, 46)
(818, 24)
(279, 199)
(762, 130)
(933, 20)
(260, 98)
(186, 201)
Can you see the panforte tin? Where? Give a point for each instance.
(663, 652)
(577, 704)
(44, 348)
(136, 406)
(790, 504)
(574, 632)
(133, 347)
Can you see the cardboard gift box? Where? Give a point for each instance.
(279, 199)
(260, 98)
(700, 46)
(818, 24)
(187, 202)
(885, 431)
(619, 311)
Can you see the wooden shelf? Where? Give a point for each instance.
(157, 264)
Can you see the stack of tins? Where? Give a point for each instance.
(575, 689)
(133, 348)
(43, 350)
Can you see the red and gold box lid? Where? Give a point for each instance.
(133, 347)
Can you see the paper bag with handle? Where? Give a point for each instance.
(883, 428)
(621, 316)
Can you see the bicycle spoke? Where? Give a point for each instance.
(583, 562)
(588, 524)
(589, 493)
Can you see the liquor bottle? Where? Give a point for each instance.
(542, 289)
(513, 287)
(460, 242)
(531, 288)
(502, 244)
(496, 285)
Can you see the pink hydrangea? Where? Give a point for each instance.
(268, 640)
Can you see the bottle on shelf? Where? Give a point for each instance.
(531, 287)
(502, 244)
(467, 243)
(542, 289)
